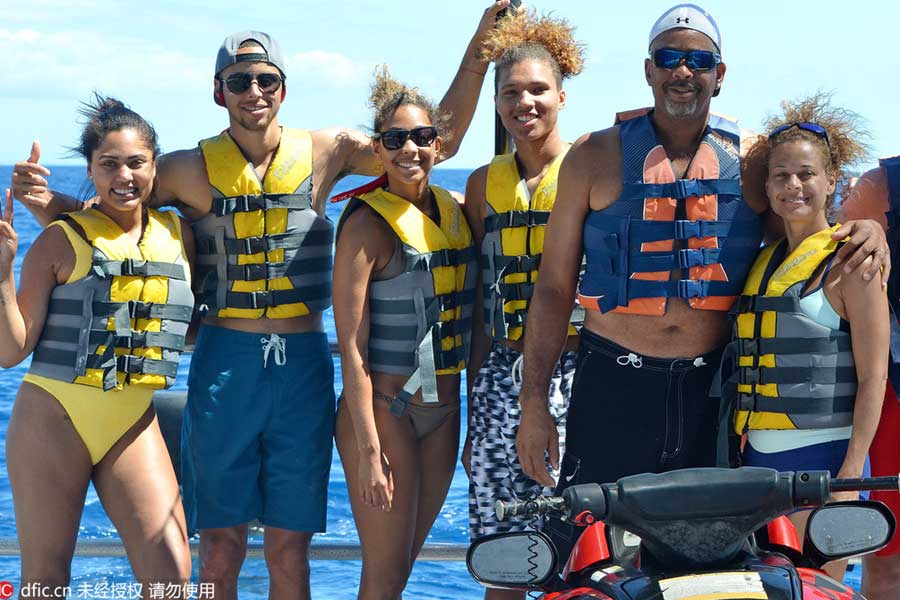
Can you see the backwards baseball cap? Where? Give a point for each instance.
(687, 16)
(231, 52)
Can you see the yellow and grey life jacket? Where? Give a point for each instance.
(420, 322)
(263, 250)
(791, 372)
(122, 316)
(513, 244)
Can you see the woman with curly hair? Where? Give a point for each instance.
(508, 203)
(404, 280)
(807, 396)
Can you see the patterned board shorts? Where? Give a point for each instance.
(496, 472)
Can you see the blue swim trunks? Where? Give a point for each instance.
(258, 428)
(827, 456)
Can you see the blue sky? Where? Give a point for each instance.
(158, 57)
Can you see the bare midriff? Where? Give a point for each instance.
(682, 332)
(304, 324)
(390, 385)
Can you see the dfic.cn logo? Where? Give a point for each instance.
(6, 590)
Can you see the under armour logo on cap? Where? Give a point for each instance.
(687, 16)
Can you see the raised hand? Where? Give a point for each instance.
(29, 183)
(9, 240)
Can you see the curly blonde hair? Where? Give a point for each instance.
(846, 142)
(388, 94)
(526, 36)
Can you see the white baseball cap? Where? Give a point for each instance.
(687, 16)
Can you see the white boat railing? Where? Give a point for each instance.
(317, 551)
(169, 405)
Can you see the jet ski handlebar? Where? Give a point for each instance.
(694, 493)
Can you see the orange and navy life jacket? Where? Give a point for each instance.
(699, 224)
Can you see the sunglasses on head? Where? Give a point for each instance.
(813, 128)
(393, 139)
(696, 60)
(238, 83)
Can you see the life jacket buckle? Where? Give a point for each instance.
(135, 340)
(255, 272)
(686, 229)
(138, 309)
(261, 299)
(746, 402)
(745, 304)
(685, 188)
(748, 376)
(134, 268)
(693, 288)
(444, 329)
(123, 363)
(448, 257)
(448, 301)
(749, 347)
(247, 202)
(253, 245)
(688, 258)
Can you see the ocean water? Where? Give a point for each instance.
(330, 579)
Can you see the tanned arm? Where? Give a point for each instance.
(48, 263)
(363, 247)
(481, 343)
(865, 306)
(462, 97)
(550, 310)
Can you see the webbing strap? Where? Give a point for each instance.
(139, 268)
(249, 202)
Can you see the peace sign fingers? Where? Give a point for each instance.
(7, 215)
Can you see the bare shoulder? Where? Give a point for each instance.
(477, 178)
(591, 171)
(181, 161)
(183, 179)
(594, 147)
(460, 199)
(52, 252)
(365, 228)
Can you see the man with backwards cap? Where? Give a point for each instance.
(668, 240)
(258, 426)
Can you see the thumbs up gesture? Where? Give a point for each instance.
(29, 185)
(9, 241)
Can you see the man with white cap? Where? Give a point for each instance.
(258, 426)
(668, 240)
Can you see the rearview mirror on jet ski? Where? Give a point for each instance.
(522, 560)
(838, 531)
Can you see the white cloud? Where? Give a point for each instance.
(330, 67)
(74, 62)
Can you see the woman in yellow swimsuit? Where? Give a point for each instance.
(103, 305)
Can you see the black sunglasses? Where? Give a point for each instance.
(813, 128)
(238, 83)
(393, 139)
(696, 60)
